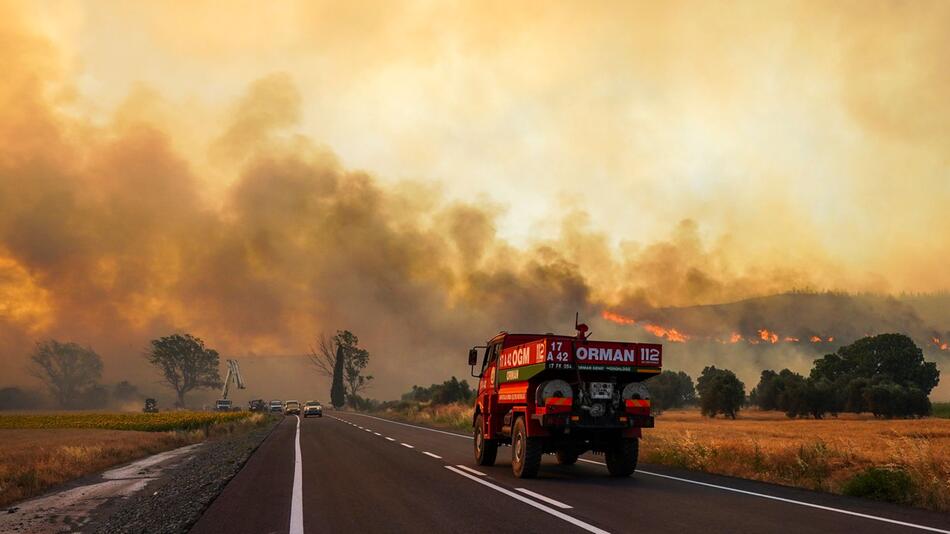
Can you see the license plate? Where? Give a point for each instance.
(601, 390)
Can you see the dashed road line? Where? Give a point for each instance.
(408, 446)
(548, 500)
(390, 439)
(436, 456)
(544, 508)
(472, 471)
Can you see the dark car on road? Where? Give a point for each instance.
(276, 406)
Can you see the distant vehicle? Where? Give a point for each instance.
(292, 407)
(257, 405)
(222, 405)
(276, 406)
(151, 406)
(312, 408)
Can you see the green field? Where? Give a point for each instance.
(148, 422)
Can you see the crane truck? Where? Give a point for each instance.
(567, 395)
(234, 375)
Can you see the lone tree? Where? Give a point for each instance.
(720, 391)
(671, 389)
(327, 357)
(185, 363)
(69, 370)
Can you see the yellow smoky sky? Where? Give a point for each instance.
(164, 160)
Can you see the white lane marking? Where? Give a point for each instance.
(472, 471)
(390, 439)
(368, 430)
(466, 436)
(560, 515)
(296, 503)
(548, 500)
(408, 446)
(789, 501)
(377, 434)
(436, 456)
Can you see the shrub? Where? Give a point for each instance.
(881, 484)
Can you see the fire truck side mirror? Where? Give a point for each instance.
(472, 357)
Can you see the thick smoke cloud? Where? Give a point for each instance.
(110, 236)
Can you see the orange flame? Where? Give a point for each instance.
(735, 337)
(831, 338)
(816, 339)
(791, 339)
(942, 345)
(670, 334)
(617, 318)
(765, 335)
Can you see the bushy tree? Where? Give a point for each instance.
(450, 391)
(794, 394)
(185, 363)
(884, 374)
(671, 389)
(125, 391)
(68, 370)
(14, 398)
(720, 391)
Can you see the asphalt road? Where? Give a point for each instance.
(358, 473)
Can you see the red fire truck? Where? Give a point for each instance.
(546, 393)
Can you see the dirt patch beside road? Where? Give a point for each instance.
(33, 460)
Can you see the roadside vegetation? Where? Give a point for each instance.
(39, 451)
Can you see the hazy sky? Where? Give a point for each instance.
(803, 144)
(801, 129)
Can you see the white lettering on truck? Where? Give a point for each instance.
(595, 354)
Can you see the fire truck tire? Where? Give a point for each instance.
(622, 457)
(485, 449)
(525, 452)
(566, 456)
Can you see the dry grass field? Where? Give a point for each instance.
(38, 451)
(824, 455)
(821, 455)
(32, 460)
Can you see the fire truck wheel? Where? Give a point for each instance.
(485, 449)
(566, 456)
(622, 457)
(525, 452)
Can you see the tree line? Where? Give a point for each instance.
(72, 373)
(885, 375)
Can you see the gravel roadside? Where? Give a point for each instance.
(174, 503)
